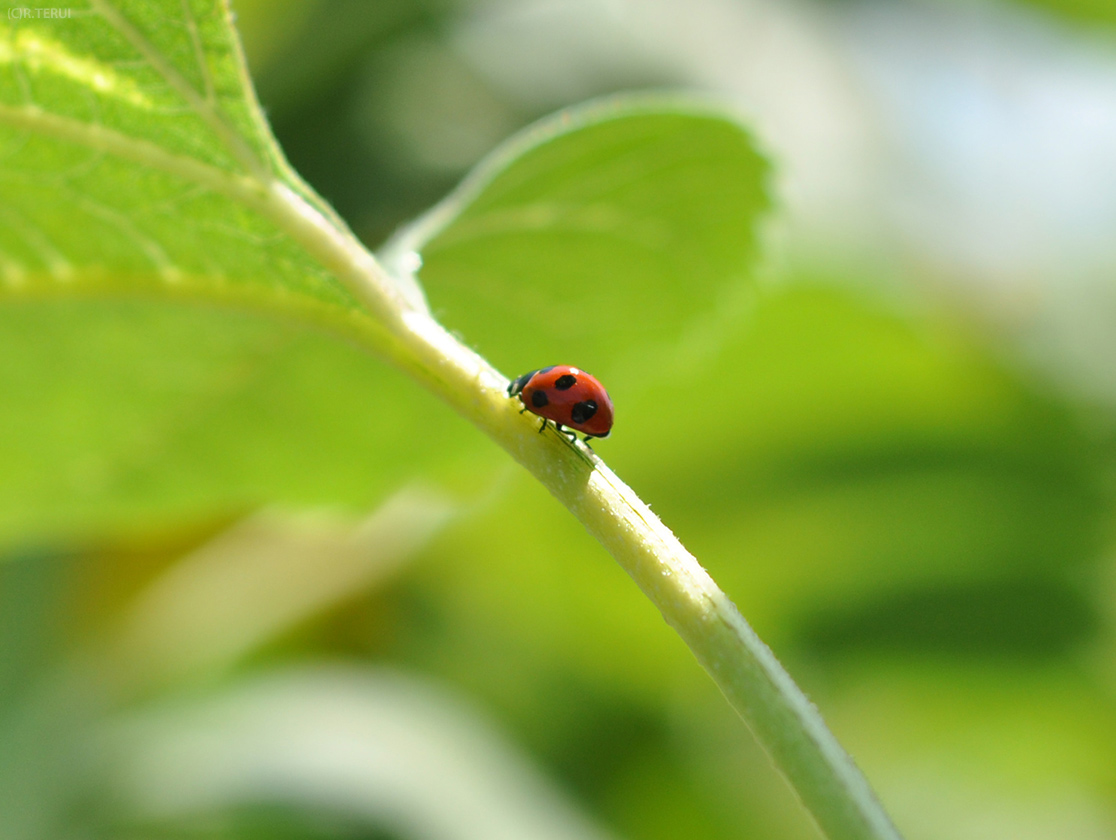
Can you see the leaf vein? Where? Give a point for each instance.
(205, 109)
(146, 244)
(233, 185)
(199, 52)
(37, 242)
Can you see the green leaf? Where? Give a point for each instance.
(138, 176)
(131, 151)
(128, 414)
(142, 268)
(597, 233)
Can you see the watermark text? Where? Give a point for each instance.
(24, 13)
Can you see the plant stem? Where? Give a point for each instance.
(743, 667)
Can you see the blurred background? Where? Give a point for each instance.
(893, 447)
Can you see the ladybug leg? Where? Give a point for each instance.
(543, 426)
(569, 434)
(522, 409)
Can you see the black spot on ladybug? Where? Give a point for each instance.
(583, 410)
(538, 399)
(565, 382)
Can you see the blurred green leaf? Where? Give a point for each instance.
(608, 226)
(41, 716)
(1093, 13)
(129, 414)
(826, 450)
(1016, 750)
(259, 579)
(388, 752)
(1017, 617)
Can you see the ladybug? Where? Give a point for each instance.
(568, 396)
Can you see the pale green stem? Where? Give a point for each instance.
(742, 666)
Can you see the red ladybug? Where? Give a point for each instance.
(568, 396)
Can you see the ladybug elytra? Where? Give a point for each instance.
(568, 397)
